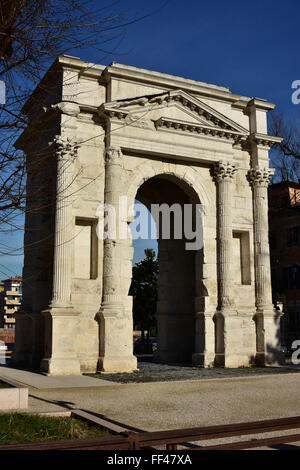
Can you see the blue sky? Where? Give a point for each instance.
(252, 47)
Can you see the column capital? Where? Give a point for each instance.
(65, 147)
(260, 176)
(113, 156)
(223, 171)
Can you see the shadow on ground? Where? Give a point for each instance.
(150, 371)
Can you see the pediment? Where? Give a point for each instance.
(174, 111)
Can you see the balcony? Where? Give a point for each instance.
(13, 292)
(9, 320)
(12, 302)
(10, 310)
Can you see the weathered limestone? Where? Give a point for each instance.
(61, 321)
(115, 339)
(122, 132)
(225, 317)
(267, 319)
(223, 175)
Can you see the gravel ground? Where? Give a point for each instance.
(153, 372)
(180, 404)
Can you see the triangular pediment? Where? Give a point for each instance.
(175, 110)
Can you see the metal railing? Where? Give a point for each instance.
(180, 437)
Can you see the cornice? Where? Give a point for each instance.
(260, 104)
(210, 122)
(199, 129)
(262, 140)
(170, 82)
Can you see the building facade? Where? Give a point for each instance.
(10, 300)
(99, 136)
(284, 225)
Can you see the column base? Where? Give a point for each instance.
(236, 342)
(115, 339)
(203, 359)
(233, 361)
(64, 366)
(115, 364)
(88, 366)
(61, 330)
(269, 351)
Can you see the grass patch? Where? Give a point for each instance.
(18, 428)
(4, 385)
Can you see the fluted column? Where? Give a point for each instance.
(66, 151)
(111, 252)
(60, 319)
(226, 320)
(115, 326)
(267, 318)
(259, 179)
(223, 176)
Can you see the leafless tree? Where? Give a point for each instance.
(32, 34)
(286, 155)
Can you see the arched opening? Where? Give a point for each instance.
(175, 207)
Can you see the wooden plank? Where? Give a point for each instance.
(109, 442)
(103, 423)
(267, 442)
(131, 440)
(216, 432)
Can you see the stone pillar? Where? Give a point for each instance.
(66, 152)
(204, 354)
(116, 329)
(61, 323)
(267, 318)
(223, 175)
(228, 349)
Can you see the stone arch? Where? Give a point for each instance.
(188, 175)
(191, 183)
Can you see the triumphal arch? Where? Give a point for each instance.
(97, 134)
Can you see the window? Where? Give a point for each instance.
(292, 236)
(291, 277)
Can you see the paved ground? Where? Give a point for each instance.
(41, 381)
(171, 405)
(215, 396)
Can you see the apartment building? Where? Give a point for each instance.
(10, 301)
(284, 237)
